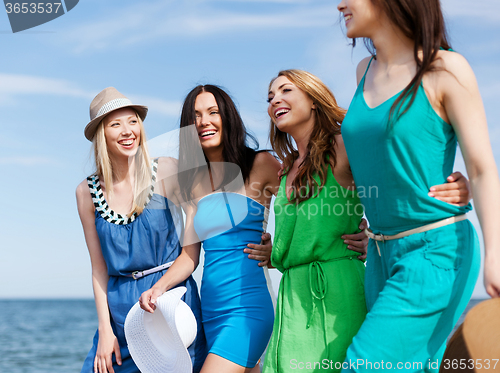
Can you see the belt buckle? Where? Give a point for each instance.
(134, 274)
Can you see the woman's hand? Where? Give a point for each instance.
(261, 252)
(147, 301)
(359, 241)
(106, 346)
(456, 191)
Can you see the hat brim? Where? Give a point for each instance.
(477, 338)
(482, 330)
(91, 127)
(153, 339)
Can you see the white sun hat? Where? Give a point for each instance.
(158, 342)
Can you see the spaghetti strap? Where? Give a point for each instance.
(367, 67)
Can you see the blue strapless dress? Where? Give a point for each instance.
(237, 309)
(131, 244)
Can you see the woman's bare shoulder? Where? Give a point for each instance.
(265, 160)
(167, 167)
(83, 197)
(453, 65)
(361, 68)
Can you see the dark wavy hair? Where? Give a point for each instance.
(422, 21)
(235, 138)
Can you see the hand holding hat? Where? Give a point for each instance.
(158, 341)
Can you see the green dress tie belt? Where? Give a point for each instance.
(318, 285)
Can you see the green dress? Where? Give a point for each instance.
(321, 302)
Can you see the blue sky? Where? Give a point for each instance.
(155, 52)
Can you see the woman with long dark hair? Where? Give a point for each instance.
(415, 98)
(237, 309)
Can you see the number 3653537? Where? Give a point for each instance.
(32, 7)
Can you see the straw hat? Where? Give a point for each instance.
(477, 339)
(158, 342)
(105, 102)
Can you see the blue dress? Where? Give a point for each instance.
(140, 242)
(237, 309)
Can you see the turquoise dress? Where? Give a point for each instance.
(137, 243)
(419, 285)
(237, 309)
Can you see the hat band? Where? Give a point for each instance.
(112, 105)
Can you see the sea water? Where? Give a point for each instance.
(42, 336)
(52, 336)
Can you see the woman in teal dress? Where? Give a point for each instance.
(415, 99)
(321, 302)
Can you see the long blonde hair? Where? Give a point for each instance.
(321, 146)
(104, 167)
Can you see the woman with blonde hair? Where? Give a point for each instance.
(321, 302)
(130, 226)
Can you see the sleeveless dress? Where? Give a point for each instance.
(419, 285)
(321, 302)
(137, 243)
(237, 309)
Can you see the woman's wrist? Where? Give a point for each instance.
(492, 257)
(105, 329)
(160, 286)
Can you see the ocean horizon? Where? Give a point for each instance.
(55, 335)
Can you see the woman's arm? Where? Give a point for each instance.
(264, 179)
(180, 270)
(261, 252)
(464, 108)
(264, 183)
(108, 343)
(358, 241)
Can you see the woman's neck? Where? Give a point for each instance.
(123, 169)
(302, 148)
(392, 46)
(301, 138)
(214, 155)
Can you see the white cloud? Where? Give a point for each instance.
(478, 11)
(12, 86)
(28, 161)
(153, 21)
(156, 105)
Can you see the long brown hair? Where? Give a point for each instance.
(422, 21)
(238, 145)
(321, 146)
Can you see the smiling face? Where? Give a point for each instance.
(208, 121)
(290, 108)
(122, 132)
(360, 16)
